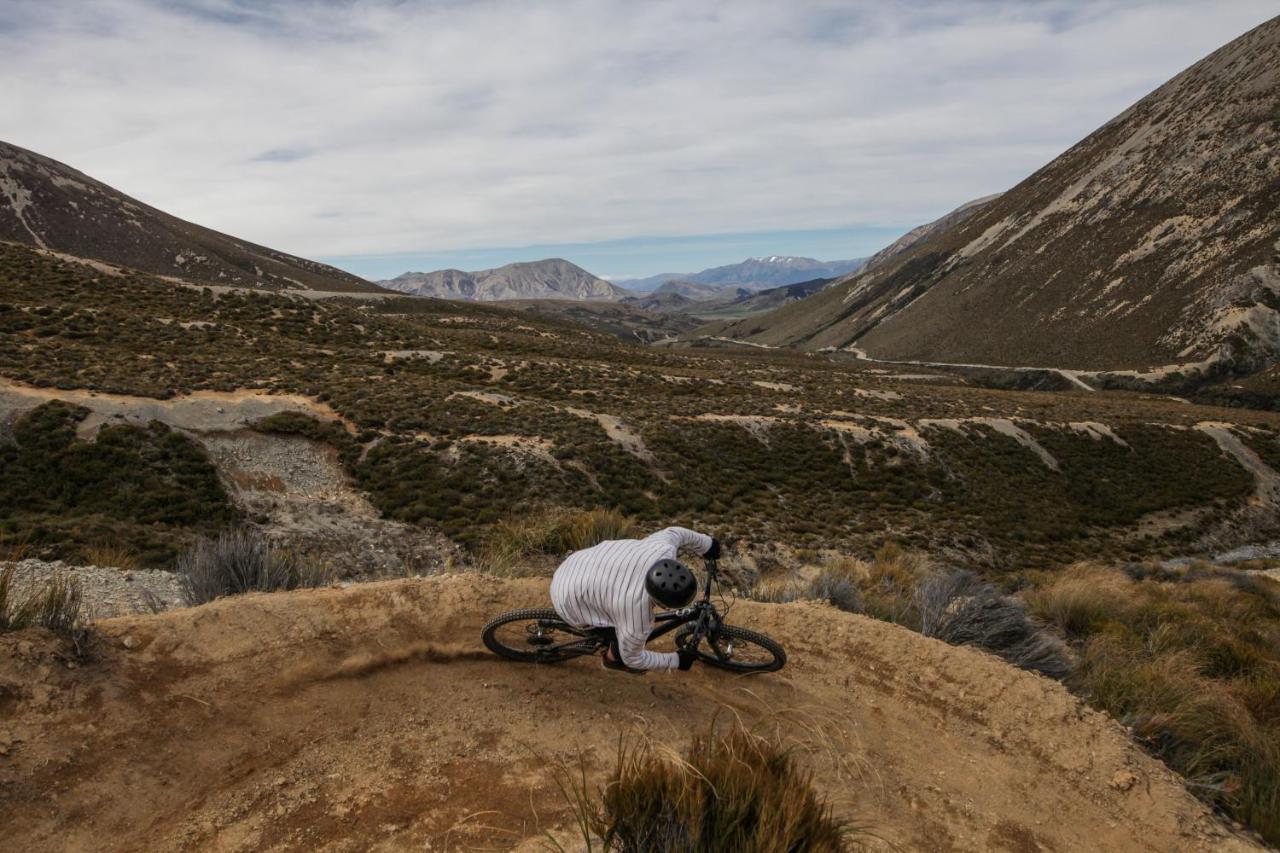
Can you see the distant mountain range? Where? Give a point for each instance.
(752, 274)
(1153, 242)
(49, 205)
(553, 278)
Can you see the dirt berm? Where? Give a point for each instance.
(371, 718)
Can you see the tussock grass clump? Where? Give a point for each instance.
(105, 552)
(958, 608)
(240, 561)
(1189, 659)
(553, 532)
(1081, 601)
(54, 605)
(737, 792)
(832, 584)
(15, 547)
(890, 583)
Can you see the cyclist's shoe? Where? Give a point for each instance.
(610, 662)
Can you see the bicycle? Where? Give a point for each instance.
(539, 635)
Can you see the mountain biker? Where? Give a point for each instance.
(614, 586)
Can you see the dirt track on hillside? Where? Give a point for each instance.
(371, 718)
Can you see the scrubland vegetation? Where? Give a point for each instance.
(67, 497)
(497, 413)
(735, 791)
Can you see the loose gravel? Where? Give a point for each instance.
(105, 590)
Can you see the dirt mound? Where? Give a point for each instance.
(370, 718)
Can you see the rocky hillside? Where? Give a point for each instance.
(49, 205)
(553, 278)
(922, 232)
(1155, 241)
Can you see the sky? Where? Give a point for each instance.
(630, 137)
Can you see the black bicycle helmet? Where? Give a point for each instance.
(670, 583)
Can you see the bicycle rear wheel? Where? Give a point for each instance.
(537, 636)
(737, 650)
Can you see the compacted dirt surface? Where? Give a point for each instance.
(372, 718)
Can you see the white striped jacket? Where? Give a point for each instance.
(603, 587)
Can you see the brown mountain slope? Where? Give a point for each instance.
(795, 322)
(47, 204)
(1156, 240)
(372, 718)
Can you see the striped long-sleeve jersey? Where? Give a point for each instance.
(603, 587)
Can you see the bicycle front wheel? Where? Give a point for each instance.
(738, 650)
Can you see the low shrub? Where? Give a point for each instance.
(240, 561)
(737, 792)
(54, 604)
(958, 608)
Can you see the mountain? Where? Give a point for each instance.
(754, 273)
(698, 292)
(553, 278)
(790, 324)
(1154, 241)
(49, 205)
(920, 232)
(766, 300)
(665, 303)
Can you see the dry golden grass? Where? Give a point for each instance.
(15, 548)
(521, 545)
(732, 792)
(54, 604)
(1190, 660)
(106, 552)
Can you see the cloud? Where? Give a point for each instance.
(448, 125)
(282, 155)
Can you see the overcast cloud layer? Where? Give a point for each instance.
(345, 129)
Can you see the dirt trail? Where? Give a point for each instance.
(371, 718)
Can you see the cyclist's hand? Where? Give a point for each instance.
(687, 657)
(713, 553)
